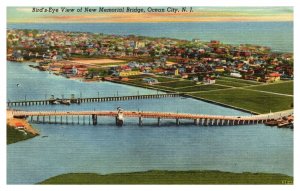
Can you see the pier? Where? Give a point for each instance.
(92, 99)
(91, 117)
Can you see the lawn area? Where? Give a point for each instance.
(160, 79)
(13, 135)
(177, 84)
(140, 83)
(164, 79)
(200, 88)
(171, 177)
(230, 83)
(259, 102)
(250, 82)
(284, 87)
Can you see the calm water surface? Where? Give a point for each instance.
(107, 149)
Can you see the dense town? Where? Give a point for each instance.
(92, 56)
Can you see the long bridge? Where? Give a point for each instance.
(73, 117)
(91, 99)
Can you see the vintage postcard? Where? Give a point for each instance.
(150, 95)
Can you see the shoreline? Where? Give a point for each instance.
(18, 129)
(171, 177)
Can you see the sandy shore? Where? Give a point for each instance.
(13, 121)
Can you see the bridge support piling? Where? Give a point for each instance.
(55, 119)
(31, 118)
(206, 122)
(84, 120)
(66, 119)
(158, 121)
(177, 122)
(78, 119)
(43, 118)
(89, 119)
(94, 117)
(140, 121)
(196, 122)
(61, 120)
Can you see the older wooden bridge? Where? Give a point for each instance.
(69, 117)
(91, 99)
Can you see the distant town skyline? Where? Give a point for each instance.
(199, 14)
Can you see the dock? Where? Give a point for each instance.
(91, 99)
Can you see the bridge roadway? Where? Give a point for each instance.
(92, 99)
(199, 119)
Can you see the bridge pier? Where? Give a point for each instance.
(216, 122)
(177, 122)
(205, 123)
(221, 122)
(94, 117)
(43, 118)
(228, 122)
(158, 121)
(140, 121)
(196, 122)
(202, 122)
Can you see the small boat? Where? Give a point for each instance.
(282, 124)
(66, 102)
(271, 123)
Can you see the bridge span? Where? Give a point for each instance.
(91, 99)
(72, 117)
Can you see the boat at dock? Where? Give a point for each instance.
(271, 123)
(66, 102)
(284, 122)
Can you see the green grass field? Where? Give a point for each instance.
(163, 79)
(231, 83)
(241, 95)
(259, 102)
(178, 84)
(171, 177)
(284, 87)
(250, 82)
(13, 135)
(201, 88)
